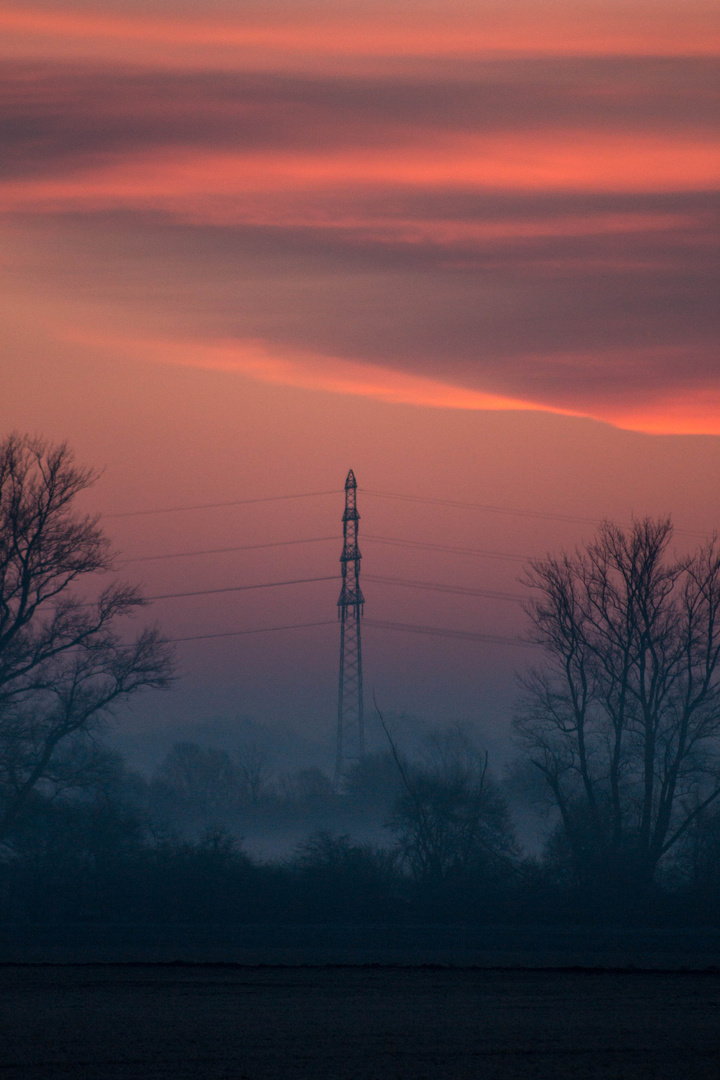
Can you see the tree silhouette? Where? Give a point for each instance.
(66, 659)
(623, 718)
(450, 821)
(199, 778)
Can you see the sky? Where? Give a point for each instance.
(467, 249)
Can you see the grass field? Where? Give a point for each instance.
(207, 1022)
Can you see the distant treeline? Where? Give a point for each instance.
(424, 840)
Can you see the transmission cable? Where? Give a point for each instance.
(242, 633)
(383, 495)
(224, 550)
(242, 588)
(433, 586)
(216, 505)
(543, 514)
(426, 546)
(481, 506)
(438, 631)
(388, 540)
(380, 624)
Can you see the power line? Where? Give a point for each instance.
(483, 506)
(433, 631)
(224, 550)
(388, 540)
(437, 631)
(259, 630)
(459, 590)
(241, 588)
(543, 514)
(366, 491)
(428, 585)
(480, 553)
(216, 505)
(489, 508)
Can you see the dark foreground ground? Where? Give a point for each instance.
(389, 945)
(207, 1022)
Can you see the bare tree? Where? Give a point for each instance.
(255, 771)
(197, 777)
(66, 658)
(309, 787)
(449, 819)
(623, 718)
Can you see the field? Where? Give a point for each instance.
(216, 1022)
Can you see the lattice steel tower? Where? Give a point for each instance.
(350, 731)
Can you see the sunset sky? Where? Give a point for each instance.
(468, 249)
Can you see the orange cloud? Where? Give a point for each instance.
(195, 184)
(689, 412)
(694, 412)
(260, 360)
(298, 31)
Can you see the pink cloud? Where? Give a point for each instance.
(296, 32)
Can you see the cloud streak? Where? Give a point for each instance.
(661, 413)
(305, 32)
(65, 119)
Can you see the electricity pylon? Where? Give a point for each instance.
(350, 732)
